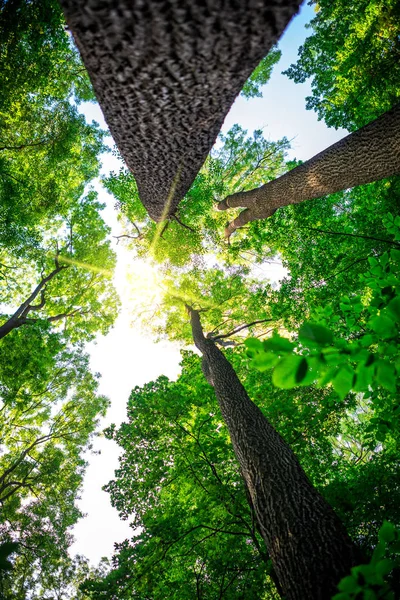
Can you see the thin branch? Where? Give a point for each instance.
(346, 268)
(356, 235)
(183, 224)
(164, 229)
(131, 237)
(22, 146)
(237, 329)
(65, 315)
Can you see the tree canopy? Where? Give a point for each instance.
(316, 355)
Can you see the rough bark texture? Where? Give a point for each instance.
(166, 72)
(369, 154)
(308, 545)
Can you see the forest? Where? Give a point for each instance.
(270, 467)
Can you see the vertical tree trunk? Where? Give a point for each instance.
(309, 547)
(369, 154)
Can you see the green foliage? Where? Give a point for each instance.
(48, 421)
(352, 56)
(178, 481)
(226, 299)
(237, 162)
(48, 153)
(369, 581)
(56, 266)
(37, 54)
(261, 75)
(80, 296)
(365, 359)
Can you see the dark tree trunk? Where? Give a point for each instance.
(20, 317)
(308, 545)
(369, 154)
(166, 73)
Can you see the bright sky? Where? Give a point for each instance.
(126, 358)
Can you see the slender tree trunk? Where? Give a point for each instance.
(20, 317)
(369, 154)
(308, 545)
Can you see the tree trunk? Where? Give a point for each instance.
(20, 317)
(165, 73)
(369, 154)
(308, 545)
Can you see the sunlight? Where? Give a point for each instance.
(161, 224)
(138, 283)
(84, 265)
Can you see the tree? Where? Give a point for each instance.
(170, 133)
(48, 153)
(237, 162)
(352, 56)
(48, 421)
(292, 516)
(179, 482)
(72, 269)
(370, 154)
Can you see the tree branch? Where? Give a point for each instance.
(356, 235)
(237, 329)
(22, 146)
(367, 155)
(183, 224)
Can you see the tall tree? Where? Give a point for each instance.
(49, 417)
(65, 280)
(237, 162)
(200, 56)
(292, 516)
(370, 154)
(179, 482)
(352, 56)
(48, 153)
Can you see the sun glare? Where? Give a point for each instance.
(138, 283)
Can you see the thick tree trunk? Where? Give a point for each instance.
(166, 73)
(369, 154)
(309, 547)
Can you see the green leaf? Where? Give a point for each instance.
(254, 344)
(384, 567)
(393, 308)
(378, 553)
(301, 371)
(367, 340)
(278, 344)
(387, 532)
(384, 326)
(348, 584)
(265, 360)
(364, 376)
(369, 594)
(284, 374)
(315, 334)
(343, 381)
(395, 255)
(386, 376)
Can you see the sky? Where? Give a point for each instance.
(127, 357)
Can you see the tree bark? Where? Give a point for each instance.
(166, 73)
(369, 154)
(308, 545)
